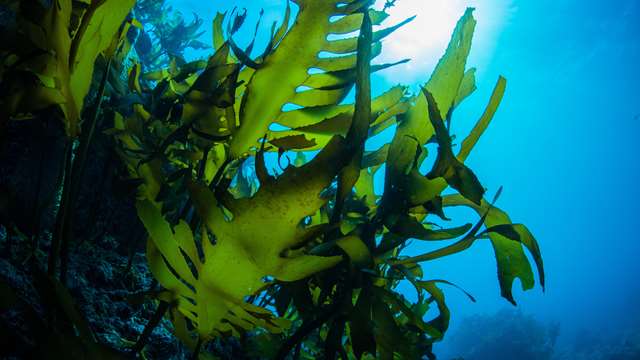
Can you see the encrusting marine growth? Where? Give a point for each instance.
(307, 260)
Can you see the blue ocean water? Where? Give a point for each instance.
(564, 144)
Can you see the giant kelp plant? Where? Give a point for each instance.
(301, 261)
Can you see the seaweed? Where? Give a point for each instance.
(164, 34)
(338, 251)
(304, 260)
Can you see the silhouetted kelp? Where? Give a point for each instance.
(165, 34)
(303, 262)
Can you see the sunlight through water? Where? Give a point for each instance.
(425, 39)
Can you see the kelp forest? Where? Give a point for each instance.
(225, 208)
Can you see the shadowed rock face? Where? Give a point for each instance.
(508, 334)
(100, 286)
(512, 334)
(588, 345)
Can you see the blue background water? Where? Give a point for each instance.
(564, 145)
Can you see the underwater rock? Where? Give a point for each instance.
(505, 335)
(101, 288)
(621, 344)
(15, 335)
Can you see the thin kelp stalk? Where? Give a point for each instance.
(162, 309)
(74, 170)
(59, 228)
(131, 249)
(79, 166)
(35, 216)
(78, 170)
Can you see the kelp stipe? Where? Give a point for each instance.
(327, 258)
